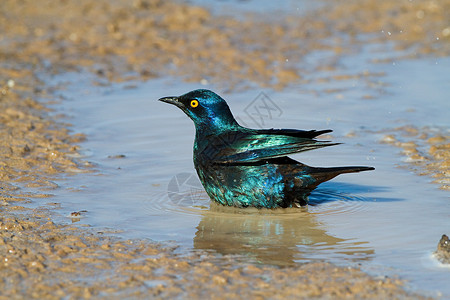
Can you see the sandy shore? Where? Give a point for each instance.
(120, 41)
(427, 151)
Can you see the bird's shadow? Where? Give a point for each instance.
(340, 191)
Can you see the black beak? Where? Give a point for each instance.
(171, 100)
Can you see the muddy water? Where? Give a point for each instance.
(387, 221)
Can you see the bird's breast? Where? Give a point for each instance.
(242, 185)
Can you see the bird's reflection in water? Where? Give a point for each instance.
(281, 237)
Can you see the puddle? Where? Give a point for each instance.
(388, 220)
(228, 7)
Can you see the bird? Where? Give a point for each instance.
(244, 167)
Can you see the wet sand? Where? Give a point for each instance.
(426, 151)
(138, 41)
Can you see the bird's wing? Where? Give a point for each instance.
(245, 147)
(295, 132)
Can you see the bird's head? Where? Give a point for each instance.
(207, 109)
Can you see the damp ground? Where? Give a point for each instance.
(111, 204)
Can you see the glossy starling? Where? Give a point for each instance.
(244, 167)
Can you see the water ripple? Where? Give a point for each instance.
(331, 202)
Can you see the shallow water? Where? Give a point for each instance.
(388, 220)
(237, 7)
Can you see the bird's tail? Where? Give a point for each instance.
(325, 174)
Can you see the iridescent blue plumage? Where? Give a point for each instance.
(244, 167)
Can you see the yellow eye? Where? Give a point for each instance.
(194, 103)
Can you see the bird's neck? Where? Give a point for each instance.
(215, 126)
